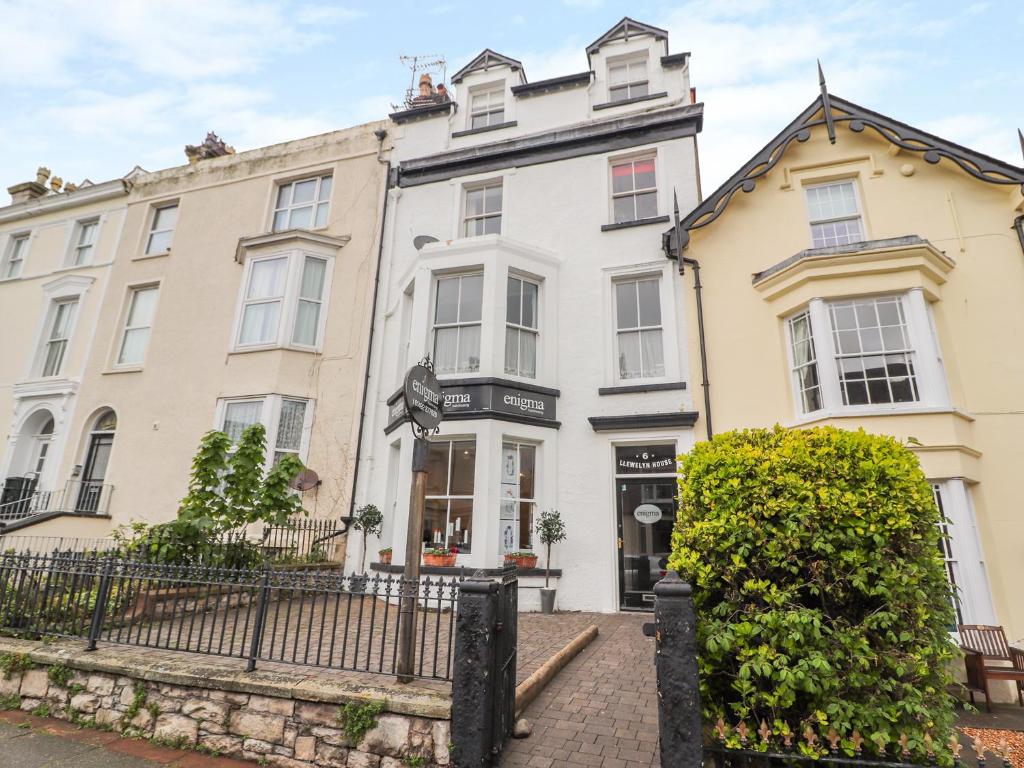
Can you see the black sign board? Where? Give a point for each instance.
(645, 459)
(424, 400)
(496, 399)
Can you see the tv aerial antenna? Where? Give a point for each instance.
(429, 62)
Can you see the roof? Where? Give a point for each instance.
(552, 84)
(827, 111)
(840, 250)
(624, 30)
(484, 61)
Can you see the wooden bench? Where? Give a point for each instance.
(982, 645)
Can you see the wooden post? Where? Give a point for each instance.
(411, 574)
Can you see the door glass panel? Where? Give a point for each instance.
(647, 508)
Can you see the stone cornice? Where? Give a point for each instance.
(296, 238)
(82, 196)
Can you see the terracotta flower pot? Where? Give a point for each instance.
(385, 557)
(521, 561)
(439, 561)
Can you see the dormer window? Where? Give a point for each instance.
(487, 107)
(627, 79)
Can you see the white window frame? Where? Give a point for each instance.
(618, 280)
(133, 292)
(316, 202)
(448, 497)
(494, 93)
(924, 354)
(858, 217)
(521, 329)
(962, 552)
(77, 247)
(632, 160)
(296, 260)
(6, 267)
(72, 302)
(270, 418)
(153, 231)
(507, 496)
(466, 218)
(459, 324)
(629, 85)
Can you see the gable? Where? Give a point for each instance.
(626, 29)
(488, 59)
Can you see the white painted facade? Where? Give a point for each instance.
(556, 195)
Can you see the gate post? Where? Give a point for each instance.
(679, 715)
(473, 681)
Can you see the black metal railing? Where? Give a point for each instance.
(83, 497)
(309, 617)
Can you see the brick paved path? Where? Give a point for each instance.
(601, 710)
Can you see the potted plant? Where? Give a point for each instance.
(550, 530)
(368, 520)
(440, 557)
(385, 556)
(524, 559)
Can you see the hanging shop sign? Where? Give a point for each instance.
(491, 398)
(423, 398)
(647, 514)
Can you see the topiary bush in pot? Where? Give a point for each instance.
(821, 595)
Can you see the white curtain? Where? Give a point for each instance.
(259, 323)
(653, 353)
(446, 345)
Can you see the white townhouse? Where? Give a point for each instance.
(522, 252)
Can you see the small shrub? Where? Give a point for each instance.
(821, 593)
(12, 664)
(414, 761)
(358, 719)
(138, 702)
(75, 688)
(43, 710)
(59, 675)
(10, 702)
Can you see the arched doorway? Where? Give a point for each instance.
(29, 461)
(93, 493)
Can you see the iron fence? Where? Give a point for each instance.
(309, 617)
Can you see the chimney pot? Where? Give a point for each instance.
(42, 174)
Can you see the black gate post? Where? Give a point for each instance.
(679, 716)
(473, 683)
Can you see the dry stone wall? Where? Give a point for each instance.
(274, 730)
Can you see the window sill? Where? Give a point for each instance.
(274, 347)
(634, 100)
(10, 279)
(124, 369)
(625, 389)
(485, 129)
(636, 223)
(145, 256)
(858, 413)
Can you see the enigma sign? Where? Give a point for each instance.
(423, 397)
(482, 398)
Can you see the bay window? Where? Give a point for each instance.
(457, 320)
(864, 353)
(521, 327)
(448, 513)
(288, 421)
(638, 331)
(518, 496)
(960, 547)
(282, 302)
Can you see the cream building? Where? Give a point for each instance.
(241, 291)
(862, 273)
(57, 246)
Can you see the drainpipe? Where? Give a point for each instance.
(705, 383)
(381, 134)
(1018, 224)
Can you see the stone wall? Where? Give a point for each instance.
(188, 701)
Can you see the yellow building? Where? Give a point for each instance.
(241, 292)
(57, 245)
(859, 272)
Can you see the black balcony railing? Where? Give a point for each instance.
(84, 497)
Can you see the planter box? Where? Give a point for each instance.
(439, 561)
(523, 561)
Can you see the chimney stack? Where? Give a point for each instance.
(30, 190)
(426, 86)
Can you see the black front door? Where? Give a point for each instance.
(646, 513)
(95, 470)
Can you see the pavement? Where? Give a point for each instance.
(37, 742)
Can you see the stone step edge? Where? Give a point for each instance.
(530, 688)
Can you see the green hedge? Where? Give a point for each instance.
(821, 594)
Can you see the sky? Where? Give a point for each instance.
(92, 89)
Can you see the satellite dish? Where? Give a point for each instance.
(305, 480)
(420, 240)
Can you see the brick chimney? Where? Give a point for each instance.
(30, 190)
